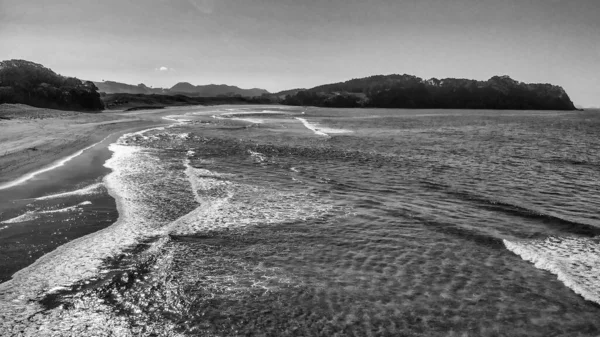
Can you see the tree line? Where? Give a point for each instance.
(411, 92)
(33, 84)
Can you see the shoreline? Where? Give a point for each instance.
(38, 139)
(36, 272)
(64, 174)
(50, 160)
(40, 277)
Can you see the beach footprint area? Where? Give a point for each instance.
(292, 221)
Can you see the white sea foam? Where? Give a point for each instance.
(234, 112)
(320, 130)
(63, 210)
(92, 189)
(145, 187)
(137, 178)
(248, 120)
(259, 157)
(31, 215)
(312, 127)
(81, 258)
(49, 168)
(177, 119)
(575, 261)
(172, 118)
(226, 204)
(130, 137)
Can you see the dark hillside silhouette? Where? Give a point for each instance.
(411, 92)
(33, 84)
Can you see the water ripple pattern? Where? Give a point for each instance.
(370, 223)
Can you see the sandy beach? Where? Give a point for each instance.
(33, 138)
(46, 152)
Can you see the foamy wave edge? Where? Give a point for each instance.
(320, 130)
(91, 189)
(556, 267)
(43, 275)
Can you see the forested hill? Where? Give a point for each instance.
(411, 92)
(33, 84)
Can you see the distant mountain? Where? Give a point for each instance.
(111, 87)
(411, 92)
(33, 84)
(283, 94)
(214, 90)
(185, 88)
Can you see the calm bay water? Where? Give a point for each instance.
(289, 221)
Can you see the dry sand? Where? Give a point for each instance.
(33, 138)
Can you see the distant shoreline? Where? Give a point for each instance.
(132, 102)
(151, 107)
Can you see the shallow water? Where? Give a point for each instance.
(290, 221)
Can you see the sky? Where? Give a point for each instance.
(285, 44)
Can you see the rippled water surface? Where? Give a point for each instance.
(283, 221)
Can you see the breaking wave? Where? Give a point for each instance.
(22, 218)
(227, 204)
(320, 130)
(575, 261)
(157, 197)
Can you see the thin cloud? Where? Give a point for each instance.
(203, 6)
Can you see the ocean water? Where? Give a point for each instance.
(289, 221)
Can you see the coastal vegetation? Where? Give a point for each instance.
(411, 92)
(139, 101)
(35, 85)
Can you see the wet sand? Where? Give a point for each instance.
(32, 138)
(45, 152)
